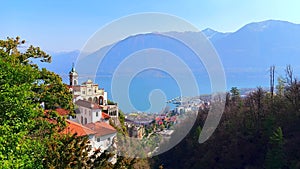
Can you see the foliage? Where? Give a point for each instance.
(30, 136)
(18, 111)
(109, 102)
(250, 133)
(275, 154)
(235, 92)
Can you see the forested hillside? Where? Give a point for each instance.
(261, 130)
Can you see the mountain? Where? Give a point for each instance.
(246, 54)
(213, 35)
(261, 44)
(61, 61)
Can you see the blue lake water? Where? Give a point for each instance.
(144, 90)
(141, 87)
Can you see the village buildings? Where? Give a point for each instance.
(92, 112)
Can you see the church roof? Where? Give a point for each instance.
(89, 81)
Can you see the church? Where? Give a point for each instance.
(93, 112)
(86, 91)
(90, 92)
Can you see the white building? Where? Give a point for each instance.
(104, 134)
(89, 112)
(100, 134)
(179, 109)
(87, 91)
(92, 113)
(91, 92)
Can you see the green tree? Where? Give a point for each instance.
(18, 116)
(280, 86)
(275, 154)
(29, 137)
(235, 94)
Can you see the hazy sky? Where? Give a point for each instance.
(64, 25)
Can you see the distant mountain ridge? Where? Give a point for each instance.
(213, 35)
(246, 54)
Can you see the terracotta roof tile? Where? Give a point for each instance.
(73, 127)
(62, 112)
(105, 116)
(101, 128)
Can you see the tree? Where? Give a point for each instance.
(31, 138)
(109, 102)
(275, 154)
(280, 86)
(292, 91)
(272, 80)
(235, 93)
(17, 118)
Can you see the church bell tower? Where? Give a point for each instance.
(73, 76)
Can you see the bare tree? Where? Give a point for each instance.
(272, 80)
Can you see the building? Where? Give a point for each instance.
(104, 134)
(93, 112)
(100, 134)
(73, 127)
(89, 112)
(89, 91)
(86, 91)
(136, 131)
(179, 109)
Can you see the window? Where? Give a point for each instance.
(95, 100)
(83, 92)
(81, 120)
(96, 114)
(85, 120)
(98, 139)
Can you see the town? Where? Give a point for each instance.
(99, 118)
(150, 84)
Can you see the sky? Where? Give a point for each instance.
(65, 25)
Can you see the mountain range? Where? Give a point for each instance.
(254, 47)
(246, 54)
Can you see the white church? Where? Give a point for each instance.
(93, 111)
(90, 92)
